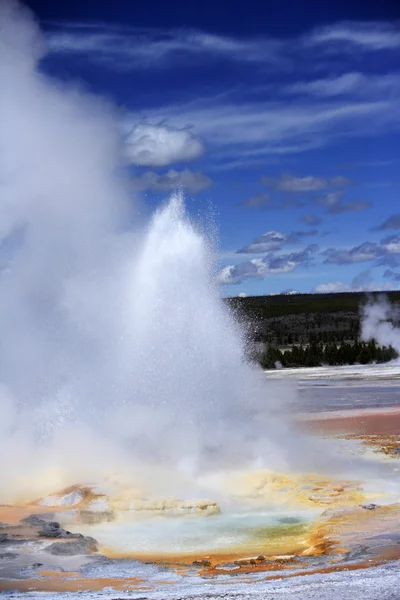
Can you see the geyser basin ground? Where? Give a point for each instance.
(341, 536)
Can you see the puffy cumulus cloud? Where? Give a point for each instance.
(290, 292)
(272, 240)
(310, 219)
(309, 183)
(192, 182)
(259, 268)
(362, 253)
(392, 222)
(150, 145)
(334, 204)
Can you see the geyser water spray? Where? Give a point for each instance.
(116, 352)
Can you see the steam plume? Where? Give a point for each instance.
(116, 352)
(377, 323)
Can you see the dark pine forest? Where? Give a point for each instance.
(309, 329)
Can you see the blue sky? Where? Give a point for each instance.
(284, 117)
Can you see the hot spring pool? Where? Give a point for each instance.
(191, 535)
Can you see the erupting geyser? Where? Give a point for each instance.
(116, 352)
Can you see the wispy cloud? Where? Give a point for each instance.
(392, 222)
(352, 36)
(310, 219)
(336, 287)
(130, 47)
(126, 48)
(244, 124)
(290, 183)
(387, 251)
(259, 268)
(335, 205)
(308, 183)
(353, 83)
(254, 131)
(258, 201)
(391, 244)
(191, 182)
(297, 236)
(364, 252)
(362, 282)
(274, 240)
(389, 274)
(264, 201)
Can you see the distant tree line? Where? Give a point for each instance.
(317, 354)
(305, 337)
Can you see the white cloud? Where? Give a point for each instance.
(362, 282)
(331, 288)
(159, 146)
(191, 181)
(353, 83)
(259, 268)
(332, 201)
(135, 48)
(343, 84)
(126, 47)
(368, 36)
(337, 287)
(272, 240)
(329, 200)
(242, 132)
(391, 244)
(287, 119)
(388, 248)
